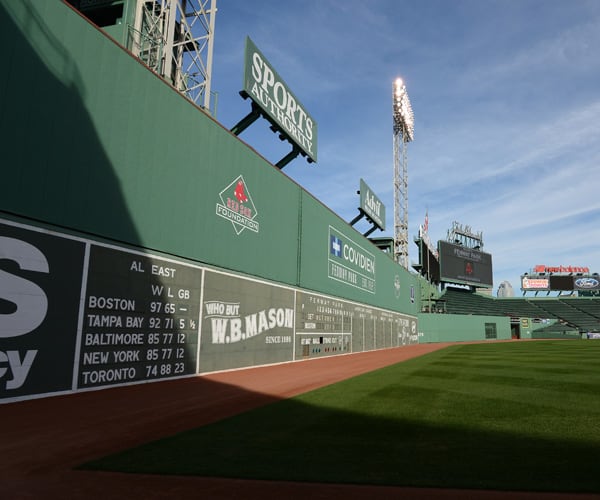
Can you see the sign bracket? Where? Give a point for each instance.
(360, 215)
(289, 157)
(248, 120)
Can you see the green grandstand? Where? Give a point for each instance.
(555, 314)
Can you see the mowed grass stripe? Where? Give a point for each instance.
(566, 384)
(412, 424)
(549, 367)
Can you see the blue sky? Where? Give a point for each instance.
(506, 97)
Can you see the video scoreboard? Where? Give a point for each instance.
(464, 265)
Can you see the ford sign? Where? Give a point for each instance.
(587, 283)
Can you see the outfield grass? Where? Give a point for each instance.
(512, 416)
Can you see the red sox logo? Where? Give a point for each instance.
(237, 206)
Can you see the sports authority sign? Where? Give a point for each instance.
(268, 90)
(40, 291)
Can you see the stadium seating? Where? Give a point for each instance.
(569, 314)
(521, 308)
(587, 305)
(579, 313)
(556, 331)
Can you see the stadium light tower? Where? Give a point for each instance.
(175, 39)
(403, 133)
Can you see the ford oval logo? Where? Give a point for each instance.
(587, 282)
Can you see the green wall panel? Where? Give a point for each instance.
(460, 328)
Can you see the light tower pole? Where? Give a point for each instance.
(403, 119)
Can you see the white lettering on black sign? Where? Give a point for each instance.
(141, 319)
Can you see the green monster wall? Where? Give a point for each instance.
(101, 146)
(142, 240)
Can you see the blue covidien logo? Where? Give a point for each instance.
(336, 246)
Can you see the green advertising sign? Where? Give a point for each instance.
(372, 206)
(268, 90)
(349, 262)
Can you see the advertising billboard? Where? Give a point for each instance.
(349, 262)
(528, 283)
(561, 282)
(268, 90)
(371, 205)
(40, 290)
(586, 283)
(459, 264)
(245, 323)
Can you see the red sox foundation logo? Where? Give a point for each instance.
(237, 206)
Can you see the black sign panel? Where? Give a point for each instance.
(40, 289)
(140, 319)
(561, 282)
(459, 264)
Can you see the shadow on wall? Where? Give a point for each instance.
(57, 172)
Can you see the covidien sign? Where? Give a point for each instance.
(350, 263)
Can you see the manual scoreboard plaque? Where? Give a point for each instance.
(140, 320)
(327, 326)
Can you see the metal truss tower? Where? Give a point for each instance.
(464, 235)
(403, 120)
(175, 39)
